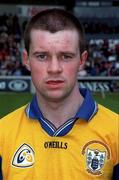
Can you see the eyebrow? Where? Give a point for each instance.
(60, 52)
(67, 52)
(38, 52)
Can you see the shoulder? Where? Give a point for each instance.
(12, 117)
(107, 113)
(105, 121)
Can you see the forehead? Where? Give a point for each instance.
(61, 38)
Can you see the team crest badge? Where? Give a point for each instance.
(95, 160)
(95, 157)
(23, 157)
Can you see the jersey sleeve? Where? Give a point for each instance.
(1, 178)
(116, 172)
(116, 167)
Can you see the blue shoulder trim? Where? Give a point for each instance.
(33, 110)
(88, 108)
(116, 172)
(1, 178)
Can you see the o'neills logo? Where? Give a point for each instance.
(55, 144)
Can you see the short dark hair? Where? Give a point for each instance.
(54, 20)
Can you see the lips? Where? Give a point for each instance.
(54, 82)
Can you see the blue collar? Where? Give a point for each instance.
(86, 111)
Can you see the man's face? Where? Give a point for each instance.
(54, 60)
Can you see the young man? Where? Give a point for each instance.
(62, 133)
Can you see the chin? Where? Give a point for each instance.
(55, 97)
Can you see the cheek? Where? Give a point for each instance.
(37, 72)
(71, 71)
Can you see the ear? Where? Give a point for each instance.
(26, 60)
(83, 59)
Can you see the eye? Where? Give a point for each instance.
(66, 57)
(41, 57)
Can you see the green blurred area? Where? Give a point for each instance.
(109, 100)
(11, 101)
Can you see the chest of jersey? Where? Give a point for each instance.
(36, 155)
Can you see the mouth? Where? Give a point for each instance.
(55, 84)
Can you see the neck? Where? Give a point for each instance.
(59, 112)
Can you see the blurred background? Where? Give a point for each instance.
(101, 72)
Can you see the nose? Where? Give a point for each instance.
(54, 66)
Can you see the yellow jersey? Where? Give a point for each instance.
(85, 147)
